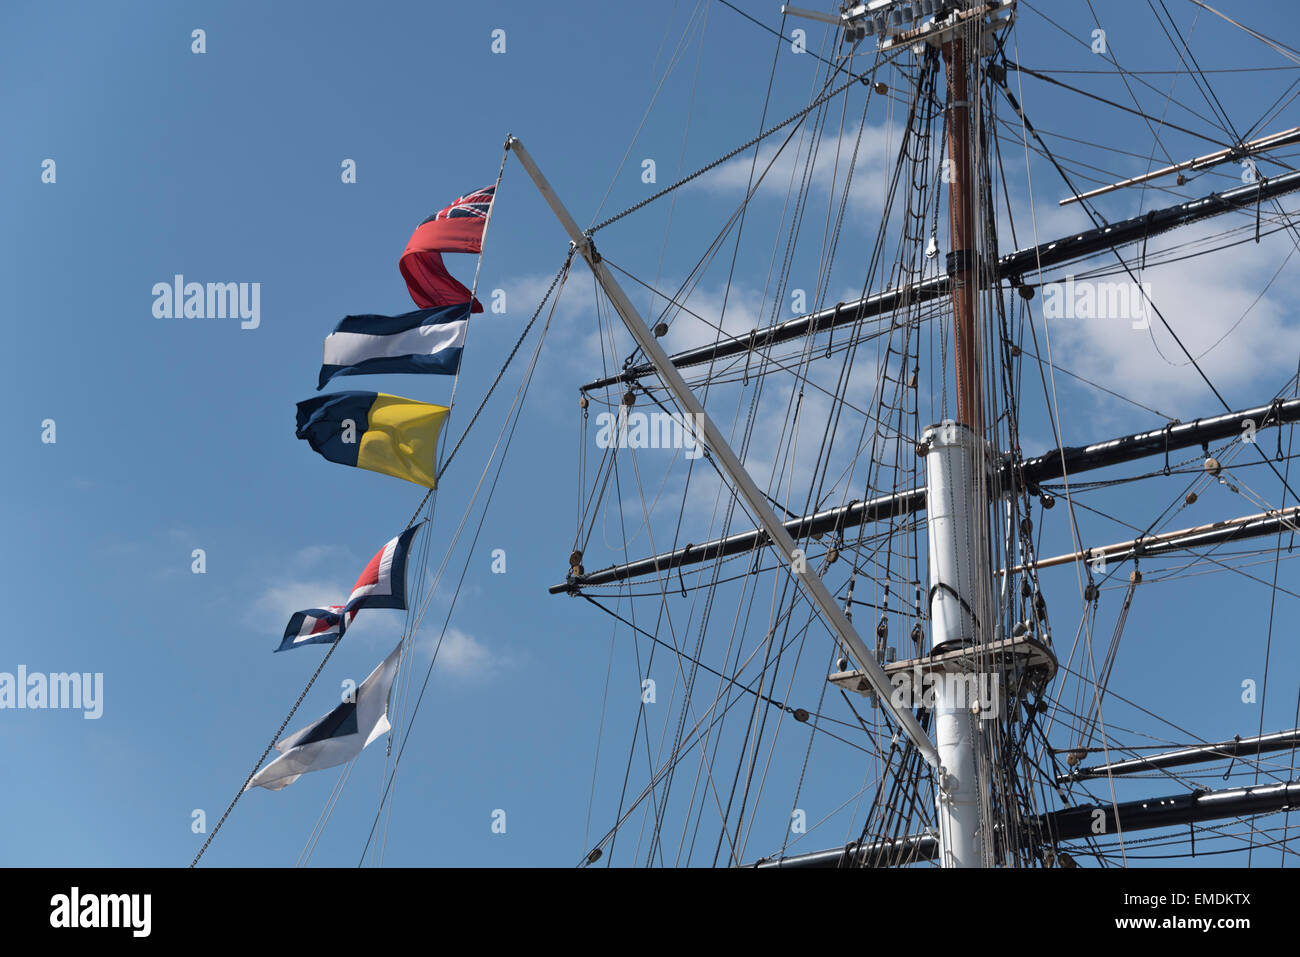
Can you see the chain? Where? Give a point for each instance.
(319, 668)
(284, 724)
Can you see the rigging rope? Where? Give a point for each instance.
(334, 646)
(857, 78)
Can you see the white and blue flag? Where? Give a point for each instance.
(426, 340)
(338, 737)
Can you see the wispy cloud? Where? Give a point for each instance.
(312, 577)
(1220, 314)
(826, 167)
(461, 655)
(313, 555)
(270, 610)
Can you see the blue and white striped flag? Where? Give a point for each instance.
(427, 340)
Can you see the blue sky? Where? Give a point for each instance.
(174, 435)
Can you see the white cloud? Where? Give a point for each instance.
(312, 555)
(311, 577)
(461, 655)
(830, 166)
(1201, 299)
(271, 610)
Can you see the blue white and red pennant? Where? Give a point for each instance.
(381, 585)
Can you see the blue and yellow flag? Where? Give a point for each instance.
(371, 430)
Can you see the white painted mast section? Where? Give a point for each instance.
(818, 593)
(959, 613)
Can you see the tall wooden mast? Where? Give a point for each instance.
(962, 215)
(958, 483)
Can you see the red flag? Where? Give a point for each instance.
(456, 229)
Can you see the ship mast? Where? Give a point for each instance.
(958, 478)
(957, 512)
(962, 216)
(979, 822)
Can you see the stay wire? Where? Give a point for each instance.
(517, 412)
